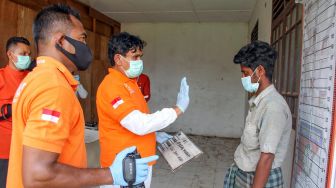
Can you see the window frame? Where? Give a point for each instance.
(286, 37)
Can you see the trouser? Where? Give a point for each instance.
(3, 172)
(236, 178)
(147, 182)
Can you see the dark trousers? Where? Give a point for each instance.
(3, 172)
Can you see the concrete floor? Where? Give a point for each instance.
(207, 171)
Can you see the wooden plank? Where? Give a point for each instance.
(90, 41)
(84, 12)
(85, 79)
(87, 22)
(16, 18)
(87, 13)
(115, 30)
(39, 4)
(25, 25)
(107, 65)
(97, 47)
(104, 48)
(103, 18)
(99, 70)
(82, 8)
(36, 4)
(56, 1)
(8, 26)
(103, 29)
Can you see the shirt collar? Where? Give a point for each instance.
(16, 73)
(119, 75)
(51, 62)
(255, 100)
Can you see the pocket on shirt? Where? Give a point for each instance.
(251, 136)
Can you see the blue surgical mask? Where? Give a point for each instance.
(248, 85)
(23, 62)
(135, 68)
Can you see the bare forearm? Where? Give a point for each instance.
(263, 170)
(178, 111)
(60, 175)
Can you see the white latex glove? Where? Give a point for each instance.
(162, 137)
(183, 96)
(141, 167)
(81, 91)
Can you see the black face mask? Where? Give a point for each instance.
(82, 57)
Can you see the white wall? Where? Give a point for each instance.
(288, 163)
(203, 52)
(262, 12)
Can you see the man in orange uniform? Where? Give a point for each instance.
(18, 54)
(124, 117)
(144, 85)
(48, 147)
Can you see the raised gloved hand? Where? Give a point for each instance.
(141, 167)
(162, 137)
(183, 96)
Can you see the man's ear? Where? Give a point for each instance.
(261, 71)
(10, 55)
(117, 59)
(58, 38)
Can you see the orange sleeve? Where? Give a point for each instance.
(49, 119)
(116, 102)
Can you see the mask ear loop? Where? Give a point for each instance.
(255, 72)
(13, 55)
(124, 58)
(58, 42)
(258, 79)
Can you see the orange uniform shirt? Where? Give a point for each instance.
(117, 96)
(9, 82)
(47, 116)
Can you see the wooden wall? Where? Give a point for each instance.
(16, 18)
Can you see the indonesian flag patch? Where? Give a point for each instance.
(117, 102)
(50, 115)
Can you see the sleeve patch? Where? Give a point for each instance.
(117, 102)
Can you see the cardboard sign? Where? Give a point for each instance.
(179, 150)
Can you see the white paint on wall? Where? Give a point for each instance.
(203, 52)
(288, 162)
(263, 14)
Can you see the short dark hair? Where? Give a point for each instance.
(14, 41)
(255, 54)
(123, 43)
(52, 19)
